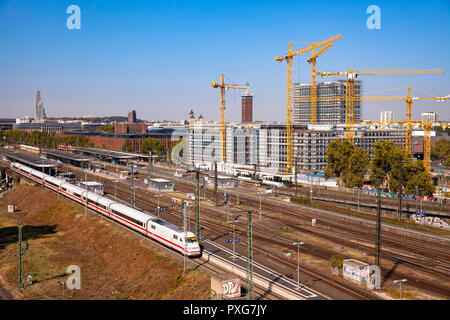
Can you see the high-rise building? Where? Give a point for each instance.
(430, 116)
(38, 106)
(327, 112)
(132, 116)
(387, 116)
(247, 107)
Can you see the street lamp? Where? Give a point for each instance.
(400, 282)
(298, 244)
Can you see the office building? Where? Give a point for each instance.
(247, 107)
(132, 116)
(327, 112)
(430, 116)
(387, 116)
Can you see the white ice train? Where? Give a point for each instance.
(159, 230)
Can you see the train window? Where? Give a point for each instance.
(128, 218)
(53, 184)
(153, 227)
(175, 237)
(191, 240)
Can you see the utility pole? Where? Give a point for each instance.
(184, 240)
(378, 244)
(43, 183)
(21, 252)
(86, 195)
(249, 256)
(82, 165)
(400, 185)
(295, 168)
(359, 189)
(298, 244)
(19, 266)
(215, 183)
(234, 221)
(197, 205)
(149, 166)
(227, 203)
(239, 191)
(260, 209)
(133, 199)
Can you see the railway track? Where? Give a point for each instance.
(431, 258)
(217, 230)
(286, 214)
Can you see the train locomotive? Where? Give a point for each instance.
(162, 231)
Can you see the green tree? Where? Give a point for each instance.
(169, 152)
(152, 145)
(447, 162)
(385, 160)
(107, 128)
(417, 180)
(385, 170)
(441, 150)
(346, 163)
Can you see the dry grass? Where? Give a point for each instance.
(113, 263)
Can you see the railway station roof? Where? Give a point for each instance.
(107, 153)
(68, 155)
(31, 160)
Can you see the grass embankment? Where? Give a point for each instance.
(114, 263)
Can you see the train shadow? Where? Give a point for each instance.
(9, 235)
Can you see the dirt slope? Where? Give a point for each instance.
(114, 265)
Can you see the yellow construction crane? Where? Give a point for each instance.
(408, 99)
(408, 122)
(290, 86)
(352, 74)
(224, 87)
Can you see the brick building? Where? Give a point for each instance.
(115, 141)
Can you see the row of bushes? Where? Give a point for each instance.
(300, 200)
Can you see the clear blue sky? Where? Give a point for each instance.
(160, 57)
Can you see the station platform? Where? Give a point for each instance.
(109, 155)
(68, 157)
(33, 161)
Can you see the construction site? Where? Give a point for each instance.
(316, 114)
(234, 210)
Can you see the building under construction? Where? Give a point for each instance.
(327, 112)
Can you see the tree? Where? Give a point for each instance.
(385, 160)
(385, 170)
(441, 149)
(418, 181)
(447, 162)
(152, 145)
(107, 128)
(357, 166)
(346, 163)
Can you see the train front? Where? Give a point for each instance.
(192, 245)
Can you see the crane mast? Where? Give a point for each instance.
(223, 86)
(290, 88)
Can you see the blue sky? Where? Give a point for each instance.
(160, 57)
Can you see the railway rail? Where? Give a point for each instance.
(353, 231)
